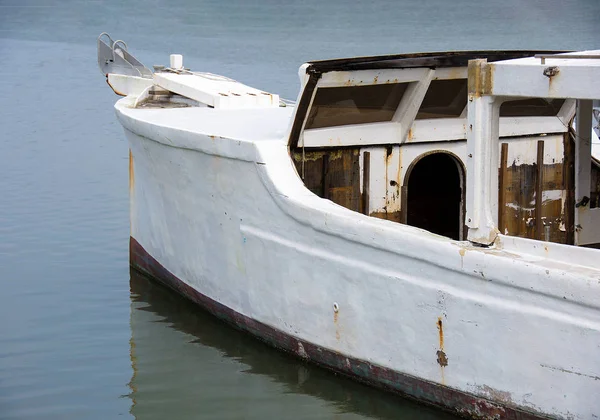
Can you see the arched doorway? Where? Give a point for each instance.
(434, 196)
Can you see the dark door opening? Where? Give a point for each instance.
(434, 195)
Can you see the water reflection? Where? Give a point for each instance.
(188, 364)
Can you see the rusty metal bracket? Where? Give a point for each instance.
(551, 71)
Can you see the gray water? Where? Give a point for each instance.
(82, 337)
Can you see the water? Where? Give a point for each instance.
(79, 338)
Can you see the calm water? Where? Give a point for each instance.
(81, 337)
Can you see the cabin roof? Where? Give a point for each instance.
(428, 59)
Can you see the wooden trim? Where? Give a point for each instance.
(325, 180)
(569, 177)
(302, 110)
(366, 181)
(539, 227)
(502, 186)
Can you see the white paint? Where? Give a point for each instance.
(220, 205)
(377, 178)
(552, 195)
(421, 131)
(587, 220)
(176, 61)
(576, 78)
(233, 220)
(370, 77)
(128, 85)
(351, 135)
(523, 150)
(482, 180)
(215, 91)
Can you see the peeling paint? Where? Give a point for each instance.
(495, 394)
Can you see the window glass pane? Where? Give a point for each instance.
(444, 99)
(355, 105)
(534, 107)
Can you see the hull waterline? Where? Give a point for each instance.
(406, 385)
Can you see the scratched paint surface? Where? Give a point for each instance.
(73, 342)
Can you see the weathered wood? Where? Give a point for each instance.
(325, 181)
(313, 169)
(568, 176)
(502, 187)
(538, 189)
(366, 182)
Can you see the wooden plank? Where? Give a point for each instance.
(325, 180)
(502, 187)
(569, 185)
(539, 227)
(366, 182)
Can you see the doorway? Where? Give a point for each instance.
(434, 196)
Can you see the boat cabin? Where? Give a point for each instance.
(463, 145)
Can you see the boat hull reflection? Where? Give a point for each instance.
(185, 364)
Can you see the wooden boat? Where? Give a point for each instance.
(426, 223)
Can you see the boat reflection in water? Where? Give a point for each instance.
(187, 365)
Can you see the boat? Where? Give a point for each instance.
(425, 223)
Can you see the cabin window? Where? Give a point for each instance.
(335, 106)
(533, 107)
(444, 99)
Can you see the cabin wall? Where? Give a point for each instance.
(332, 174)
(536, 188)
(338, 174)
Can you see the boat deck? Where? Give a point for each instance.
(251, 125)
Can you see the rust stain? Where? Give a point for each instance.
(337, 327)
(131, 174)
(483, 409)
(488, 79)
(442, 359)
(462, 252)
(112, 87)
(410, 134)
(375, 79)
(394, 216)
(551, 73)
(480, 77)
(440, 326)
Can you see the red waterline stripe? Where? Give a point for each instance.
(444, 397)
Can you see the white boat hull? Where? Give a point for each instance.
(229, 224)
